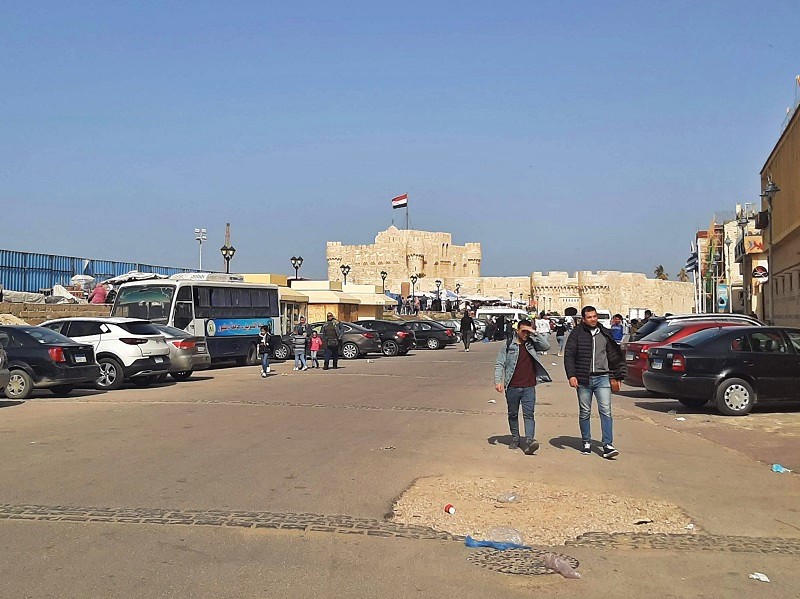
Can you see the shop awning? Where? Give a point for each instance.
(323, 296)
(287, 294)
(374, 299)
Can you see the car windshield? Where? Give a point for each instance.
(48, 337)
(149, 302)
(662, 334)
(700, 337)
(649, 327)
(139, 328)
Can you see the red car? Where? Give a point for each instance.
(636, 351)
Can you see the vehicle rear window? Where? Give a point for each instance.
(43, 335)
(139, 328)
(172, 331)
(662, 334)
(650, 327)
(700, 337)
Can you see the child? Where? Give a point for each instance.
(263, 349)
(299, 342)
(316, 345)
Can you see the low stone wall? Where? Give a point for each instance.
(38, 313)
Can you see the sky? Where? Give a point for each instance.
(561, 135)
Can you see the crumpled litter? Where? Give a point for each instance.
(681, 419)
(779, 469)
(759, 576)
(470, 542)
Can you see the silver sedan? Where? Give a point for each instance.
(187, 353)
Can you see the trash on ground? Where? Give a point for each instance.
(470, 542)
(554, 364)
(492, 401)
(779, 469)
(681, 419)
(370, 361)
(509, 497)
(643, 521)
(450, 509)
(689, 526)
(502, 534)
(759, 576)
(672, 412)
(556, 563)
(388, 447)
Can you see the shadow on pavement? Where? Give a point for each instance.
(499, 440)
(665, 405)
(636, 393)
(575, 443)
(7, 403)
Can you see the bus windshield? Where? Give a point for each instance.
(148, 302)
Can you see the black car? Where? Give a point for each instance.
(431, 334)
(39, 358)
(397, 338)
(733, 366)
(357, 341)
(656, 323)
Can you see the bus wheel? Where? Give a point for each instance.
(252, 355)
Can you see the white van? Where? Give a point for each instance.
(604, 318)
(512, 313)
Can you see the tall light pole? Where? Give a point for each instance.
(438, 292)
(227, 250)
(728, 242)
(769, 194)
(345, 268)
(747, 305)
(458, 304)
(200, 236)
(384, 274)
(297, 262)
(414, 279)
(511, 295)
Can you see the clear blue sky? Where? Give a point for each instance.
(561, 135)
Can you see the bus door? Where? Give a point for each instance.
(183, 316)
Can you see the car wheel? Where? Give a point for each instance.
(111, 375)
(735, 397)
(434, 343)
(693, 403)
(183, 375)
(62, 390)
(20, 385)
(350, 351)
(282, 353)
(144, 381)
(404, 352)
(390, 348)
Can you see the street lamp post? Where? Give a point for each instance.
(769, 194)
(746, 303)
(728, 242)
(384, 274)
(414, 279)
(345, 268)
(458, 303)
(511, 295)
(200, 236)
(297, 262)
(438, 293)
(227, 250)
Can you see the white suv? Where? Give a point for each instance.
(125, 348)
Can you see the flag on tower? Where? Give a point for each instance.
(400, 201)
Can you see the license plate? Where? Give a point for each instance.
(629, 356)
(158, 359)
(657, 364)
(201, 349)
(80, 359)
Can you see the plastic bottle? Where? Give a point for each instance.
(559, 564)
(506, 535)
(509, 497)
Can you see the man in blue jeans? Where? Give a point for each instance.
(595, 366)
(516, 371)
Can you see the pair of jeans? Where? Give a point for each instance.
(466, 337)
(525, 397)
(561, 339)
(331, 353)
(600, 388)
(264, 362)
(300, 358)
(314, 360)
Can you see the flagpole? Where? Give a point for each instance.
(407, 227)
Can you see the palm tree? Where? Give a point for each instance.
(660, 274)
(682, 276)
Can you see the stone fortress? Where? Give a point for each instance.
(432, 255)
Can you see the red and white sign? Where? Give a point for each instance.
(400, 201)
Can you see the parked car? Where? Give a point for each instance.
(735, 367)
(397, 338)
(126, 348)
(39, 358)
(636, 355)
(431, 334)
(657, 322)
(455, 325)
(4, 372)
(357, 341)
(187, 353)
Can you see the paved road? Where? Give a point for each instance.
(233, 486)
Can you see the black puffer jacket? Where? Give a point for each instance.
(578, 354)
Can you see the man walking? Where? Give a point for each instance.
(468, 329)
(595, 366)
(516, 371)
(617, 328)
(331, 336)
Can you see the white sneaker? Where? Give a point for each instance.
(295, 368)
(466, 349)
(263, 374)
(268, 370)
(304, 368)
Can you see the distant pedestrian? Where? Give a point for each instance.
(263, 349)
(516, 372)
(468, 329)
(111, 295)
(617, 328)
(416, 306)
(561, 335)
(543, 329)
(98, 295)
(331, 338)
(595, 366)
(299, 340)
(316, 346)
(509, 330)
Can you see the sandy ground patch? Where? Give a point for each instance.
(544, 514)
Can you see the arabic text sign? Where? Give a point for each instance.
(227, 327)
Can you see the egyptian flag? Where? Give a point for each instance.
(400, 201)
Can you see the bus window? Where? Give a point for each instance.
(183, 314)
(148, 302)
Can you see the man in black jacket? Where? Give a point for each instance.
(468, 329)
(595, 366)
